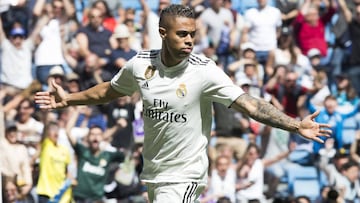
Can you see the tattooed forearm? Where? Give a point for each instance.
(266, 113)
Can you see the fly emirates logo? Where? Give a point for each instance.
(159, 111)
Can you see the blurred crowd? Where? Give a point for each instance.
(303, 56)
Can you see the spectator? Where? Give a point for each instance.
(320, 89)
(126, 176)
(52, 36)
(288, 9)
(72, 82)
(290, 55)
(95, 39)
(16, 56)
(114, 8)
(250, 173)
(355, 148)
(92, 161)
(354, 25)
(277, 142)
(29, 128)
(57, 74)
(135, 29)
(331, 115)
(331, 162)
(330, 195)
(109, 21)
(288, 95)
(91, 116)
(121, 111)
(223, 177)
(91, 72)
(345, 93)
(18, 167)
(248, 56)
(314, 55)
(11, 192)
(219, 23)
(348, 184)
(54, 160)
(151, 37)
(309, 27)
(16, 12)
(261, 27)
(122, 52)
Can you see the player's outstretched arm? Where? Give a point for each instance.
(266, 113)
(58, 98)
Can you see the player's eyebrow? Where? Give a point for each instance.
(184, 33)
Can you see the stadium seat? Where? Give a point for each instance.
(302, 173)
(307, 187)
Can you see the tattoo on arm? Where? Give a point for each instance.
(266, 113)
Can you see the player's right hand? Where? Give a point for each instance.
(52, 99)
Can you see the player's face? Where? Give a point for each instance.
(178, 39)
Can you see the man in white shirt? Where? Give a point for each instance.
(177, 89)
(16, 56)
(261, 27)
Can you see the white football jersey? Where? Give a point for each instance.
(177, 112)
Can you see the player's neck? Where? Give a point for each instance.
(169, 61)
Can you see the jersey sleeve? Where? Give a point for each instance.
(124, 81)
(218, 87)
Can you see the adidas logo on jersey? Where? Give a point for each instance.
(145, 85)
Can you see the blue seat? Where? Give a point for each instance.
(302, 157)
(307, 187)
(301, 173)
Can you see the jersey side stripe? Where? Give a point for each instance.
(198, 61)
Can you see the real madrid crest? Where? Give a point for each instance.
(181, 90)
(150, 71)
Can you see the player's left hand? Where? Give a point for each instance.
(312, 130)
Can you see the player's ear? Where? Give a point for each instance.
(162, 32)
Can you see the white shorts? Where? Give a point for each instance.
(174, 192)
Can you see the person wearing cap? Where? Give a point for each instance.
(56, 73)
(16, 55)
(314, 56)
(123, 52)
(14, 160)
(72, 82)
